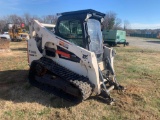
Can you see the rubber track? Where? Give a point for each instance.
(61, 71)
(83, 87)
(79, 81)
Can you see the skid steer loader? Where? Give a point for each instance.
(70, 60)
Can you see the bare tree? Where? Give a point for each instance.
(2, 25)
(50, 19)
(126, 25)
(15, 19)
(27, 18)
(40, 19)
(109, 20)
(118, 23)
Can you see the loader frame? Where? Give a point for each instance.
(92, 71)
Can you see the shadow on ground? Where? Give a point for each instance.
(15, 87)
(157, 42)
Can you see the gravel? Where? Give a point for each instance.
(147, 43)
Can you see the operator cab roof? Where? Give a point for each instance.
(88, 11)
(82, 14)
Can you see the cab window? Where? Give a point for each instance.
(71, 30)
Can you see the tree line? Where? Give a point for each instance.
(111, 21)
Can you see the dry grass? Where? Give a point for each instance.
(4, 45)
(138, 70)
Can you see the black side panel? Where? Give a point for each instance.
(50, 52)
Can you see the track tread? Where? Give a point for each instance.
(84, 87)
(82, 83)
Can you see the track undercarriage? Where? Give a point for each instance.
(49, 76)
(53, 78)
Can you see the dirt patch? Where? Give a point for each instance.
(135, 89)
(132, 94)
(144, 43)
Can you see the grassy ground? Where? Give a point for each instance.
(137, 69)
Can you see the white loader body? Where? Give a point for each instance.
(88, 65)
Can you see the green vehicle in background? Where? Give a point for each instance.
(114, 37)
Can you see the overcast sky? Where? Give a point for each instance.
(140, 13)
